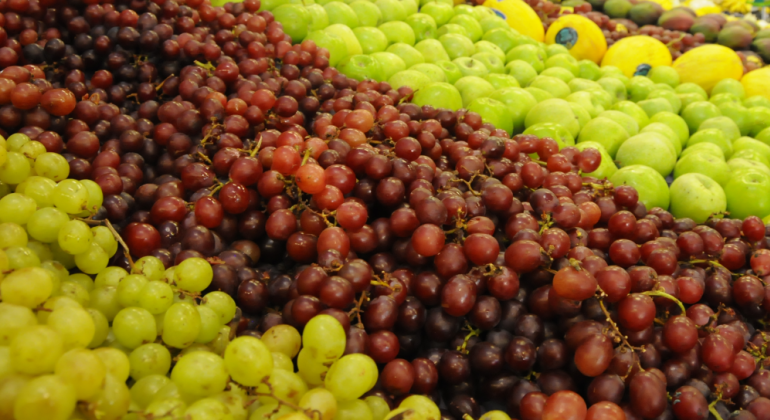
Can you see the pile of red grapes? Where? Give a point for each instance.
(481, 270)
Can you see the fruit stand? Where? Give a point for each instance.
(384, 210)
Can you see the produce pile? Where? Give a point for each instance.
(201, 219)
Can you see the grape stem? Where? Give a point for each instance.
(357, 309)
(712, 405)
(623, 338)
(310, 413)
(667, 296)
(472, 332)
(115, 233)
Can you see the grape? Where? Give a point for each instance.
(168, 407)
(209, 324)
(45, 397)
(149, 266)
(351, 376)
(193, 274)
(27, 287)
(93, 260)
(39, 189)
(36, 350)
(104, 238)
(270, 411)
(130, 289)
(74, 325)
(42, 251)
(156, 297)
(351, 410)
(105, 300)
(248, 360)
(324, 338)
(75, 292)
(52, 166)
(134, 326)
(570, 283)
(378, 405)
(15, 169)
(95, 197)
(282, 361)
(13, 320)
(101, 328)
(422, 404)
(112, 401)
(75, 237)
(207, 409)
(149, 359)
(70, 196)
(222, 304)
(110, 276)
(284, 339)
(15, 141)
(565, 405)
(11, 234)
(10, 386)
(144, 390)
(16, 208)
(310, 369)
(286, 385)
(181, 325)
(22, 257)
(323, 402)
(83, 370)
(200, 374)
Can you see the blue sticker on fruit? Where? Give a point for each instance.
(642, 69)
(567, 37)
(499, 13)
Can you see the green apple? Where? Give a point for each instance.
(340, 12)
(564, 61)
(671, 97)
(751, 154)
(441, 12)
(724, 98)
(410, 6)
(641, 86)
(432, 50)
(407, 53)
(539, 94)
(748, 194)
(423, 25)
(764, 136)
(472, 87)
(471, 67)
(494, 112)
(703, 163)
(712, 135)
(740, 165)
(653, 106)
(347, 35)
(318, 17)
(585, 100)
(372, 40)
(705, 148)
(740, 116)
(589, 70)
(552, 85)
(332, 42)
(529, 53)
(670, 134)
(556, 111)
(488, 47)
(392, 10)
(439, 95)
(434, 72)
(390, 63)
(522, 71)
(649, 184)
(361, 67)
(295, 20)
(367, 12)
(501, 81)
(606, 132)
(556, 49)
(580, 85)
(449, 3)
(484, 12)
(614, 87)
(695, 113)
(602, 97)
(412, 78)
(611, 71)
(664, 74)
(760, 119)
(456, 45)
(493, 22)
(558, 72)
(269, 5)
(688, 98)
(505, 39)
(650, 149)
(696, 196)
(606, 168)
(452, 28)
(756, 100)
(398, 32)
(692, 88)
(674, 122)
(554, 131)
(518, 101)
(728, 127)
(451, 70)
(634, 111)
(625, 120)
(582, 116)
(470, 24)
(490, 61)
(464, 9)
(728, 85)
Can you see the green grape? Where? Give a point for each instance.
(101, 328)
(95, 197)
(182, 296)
(248, 360)
(115, 361)
(209, 325)
(321, 401)
(423, 405)
(310, 369)
(379, 406)
(159, 322)
(110, 276)
(270, 411)
(5, 189)
(70, 196)
(219, 345)
(130, 289)
(208, 409)
(10, 386)
(325, 338)
(58, 272)
(151, 267)
(14, 142)
(351, 376)
(405, 413)
(112, 402)
(222, 304)
(103, 237)
(495, 415)
(75, 292)
(6, 366)
(34, 149)
(92, 261)
(74, 324)
(193, 274)
(12, 234)
(52, 166)
(82, 279)
(83, 370)
(16, 208)
(39, 189)
(4, 263)
(236, 400)
(52, 304)
(181, 325)
(169, 276)
(195, 347)
(353, 410)
(149, 359)
(282, 361)
(134, 326)
(15, 169)
(3, 153)
(165, 409)
(75, 237)
(105, 300)
(65, 259)
(200, 374)
(43, 251)
(21, 257)
(144, 390)
(156, 297)
(283, 338)
(27, 287)
(45, 397)
(285, 384)
(35, 350)
(13, 320)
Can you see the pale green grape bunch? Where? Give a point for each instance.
(16, 208)
(75, 237)
(93, 260)
(193, 274)
(44, 224)
(324, 338)
(52, 166)
(134, 326)
(200, 374)
(39, 189)
(248, 360)
(105, 239)
(71, 196)
(351, 376)
(181, 325)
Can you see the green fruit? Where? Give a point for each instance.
(729, 86)
(671, 97)
(670, 134)
(423, 25)
(398, 32)
(675, 123)
(528, 53)
(367, 12)
(728, 127)
(441, 12)
(654, 106)
(749, 143)
(676, 20)
(439, 95)
(434, 72)
(412, 78)
(756, 100)
(361, 67)
(318, 17)
(588, 102)
(470, 24)
(649, 184)
(552, 85)
(451, 71)
(559, 73)
(407, 53)
(518, 101)
(740, 116)
(471, 67)
(347, 35)
(735, 37)
(688, 98)
(606, 168)
(615, 87)
(703, 163)
(494, 112)
(490, 61)
(332, 42)
(554, 131)
(705, 148)
(748, 194)
(708, 27)
(617, 8)
(456, 45)
(410, 6)
(556, 111)
(390, 63)
(502, 81)
(472, 87)
(641, 86)
(740, 165)
(724, 98)
(432, 50)
(493, 22)
(695, 113)
(522, 71)
(626, 121)
(589, 70)
(392, 10)
(664, 74)
(539, 94)
(760, 119)
(565, 61)
(372, 40)
(452, 28)
(691, 88)
(712, 135)
(645, 13)
(582, 116)
(340, 12)
(488, 47)
(649, 149)
(503, 38)
(696, 196)
(580, 85)
(751, 154)
(295, 20)
(606, 132)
